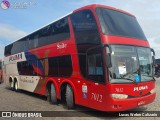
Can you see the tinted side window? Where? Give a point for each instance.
(8, 49)
(18, 46)
(60, 66)
(95, 65)
(60, 30)
(53, 66)
(22, 67)
(119, 24)
(26, 68)
(65, 66)
(30, 40)
(85, 27)
(54, 33)
(32, 67)
(86, 34)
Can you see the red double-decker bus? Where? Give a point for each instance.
(97, 56)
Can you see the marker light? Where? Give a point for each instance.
(119, 96)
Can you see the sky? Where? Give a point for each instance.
(25, 16)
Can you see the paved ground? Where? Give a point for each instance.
(25, 101)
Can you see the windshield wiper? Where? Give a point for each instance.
(146, 75)
(119, 80)
(126, 79)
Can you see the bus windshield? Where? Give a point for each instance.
(119, 24)
(128, 62)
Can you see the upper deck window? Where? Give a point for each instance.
(54, 32)
(85, 27)
(119, 24)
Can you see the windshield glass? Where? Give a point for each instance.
(145, 61)
(128, 63)
(124, 64)
(119, 24)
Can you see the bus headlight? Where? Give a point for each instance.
(119, 96)
(153, 90)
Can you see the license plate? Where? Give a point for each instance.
(141, 103)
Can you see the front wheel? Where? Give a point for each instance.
(69, 97)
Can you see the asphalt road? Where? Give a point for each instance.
(25, 101)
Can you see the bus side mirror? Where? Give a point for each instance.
(153, 57)
(108, 60)
(108, 55)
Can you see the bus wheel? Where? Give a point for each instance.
(69, 97)
(53, 94)
(16, 86)
(12, 85)
(48, 94)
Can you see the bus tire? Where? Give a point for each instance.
(69, 97)
(48, 94)
(12, 85)
(53, 94)
(16, 86)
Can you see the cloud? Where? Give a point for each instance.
(11, 33)
(1, 51)
(157, 40)
(155, 44)
(8, 34)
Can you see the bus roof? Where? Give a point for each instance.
(93, 6)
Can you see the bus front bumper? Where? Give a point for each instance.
(130, 103)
